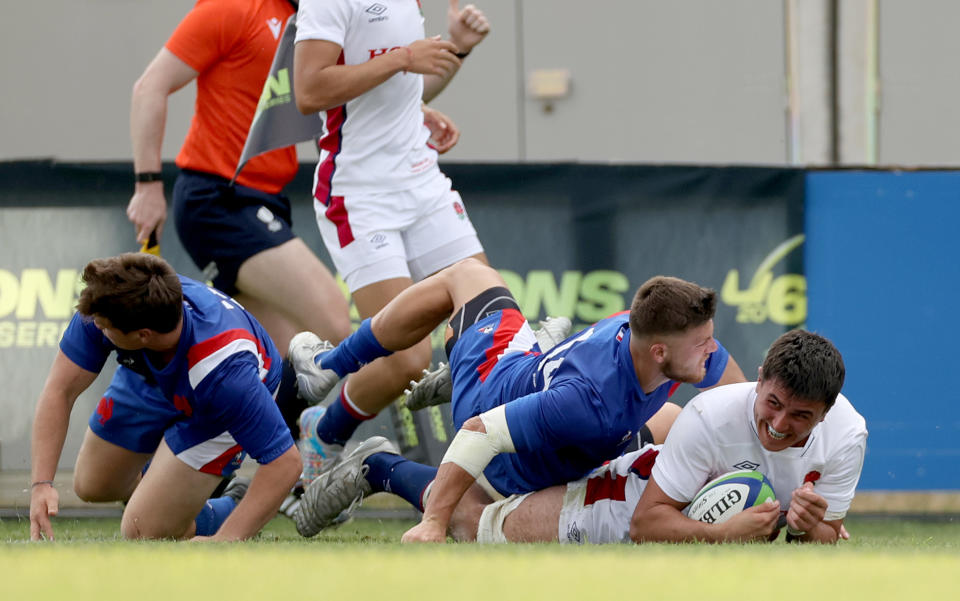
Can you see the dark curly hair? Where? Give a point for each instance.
(807, 364)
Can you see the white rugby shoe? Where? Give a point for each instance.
(314, 382)
(318, 456)
(553, 330)
(339, 490)
(292, 501)
(436, 388)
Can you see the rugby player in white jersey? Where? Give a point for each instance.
(792, 425)
(387, 214)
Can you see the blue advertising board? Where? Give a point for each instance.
(883, 279)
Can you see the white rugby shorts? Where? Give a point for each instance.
(596, 509)
(373, 237)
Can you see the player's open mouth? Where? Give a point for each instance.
(774, 434)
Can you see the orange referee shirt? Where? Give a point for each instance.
(231, 44)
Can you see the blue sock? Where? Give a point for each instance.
(214, 513)
(394, 474)
(338, 423)
(354, 352)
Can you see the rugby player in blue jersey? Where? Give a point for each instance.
(525, 420)
(192, 394)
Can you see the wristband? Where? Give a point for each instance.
(462, 55)
(39, 482)
(148, 176)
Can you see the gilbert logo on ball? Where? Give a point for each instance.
(728, 495)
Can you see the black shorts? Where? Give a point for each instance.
(482, 305)
(221, 226)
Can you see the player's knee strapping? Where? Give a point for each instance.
(473, 450)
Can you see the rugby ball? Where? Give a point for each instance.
(722, 498)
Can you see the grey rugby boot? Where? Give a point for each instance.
(314, 382)
(237, 488)
(338, 490)
(435, 387)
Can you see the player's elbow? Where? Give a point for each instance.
(474, 424)
(314, 96)
(305, 105)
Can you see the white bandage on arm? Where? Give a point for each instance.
(472, 450)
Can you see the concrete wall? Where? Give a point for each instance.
(651, 81)
(666, 82)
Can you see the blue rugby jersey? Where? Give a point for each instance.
(575, 407)
(222, 374)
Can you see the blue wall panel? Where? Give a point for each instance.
(882, 253)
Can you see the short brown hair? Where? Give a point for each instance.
(668, 305)
(806, 364)
(133, 291)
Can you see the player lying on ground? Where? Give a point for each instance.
(792, 425)
(526, 420)
(193, 392)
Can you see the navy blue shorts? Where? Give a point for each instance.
(221, 226)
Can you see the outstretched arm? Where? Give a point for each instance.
(479, 440)
(165, 75)
(467, 28)
(64, 384)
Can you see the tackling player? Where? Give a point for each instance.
(193, 392)
(792, 425)
(526, 421)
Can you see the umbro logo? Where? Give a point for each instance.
(377, 11)
(746, 465)
(274, 25)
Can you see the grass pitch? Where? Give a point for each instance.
(887, 559)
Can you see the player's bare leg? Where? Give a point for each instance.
(168, 499)
(106, 472)
(291, 283)
(466, 516)
(402, 322)
(537, 518)
(378, 384)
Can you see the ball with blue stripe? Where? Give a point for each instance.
(723, 497)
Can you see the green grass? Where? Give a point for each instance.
(887, 559)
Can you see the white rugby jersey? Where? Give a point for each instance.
(716, 433)
(376, 142)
